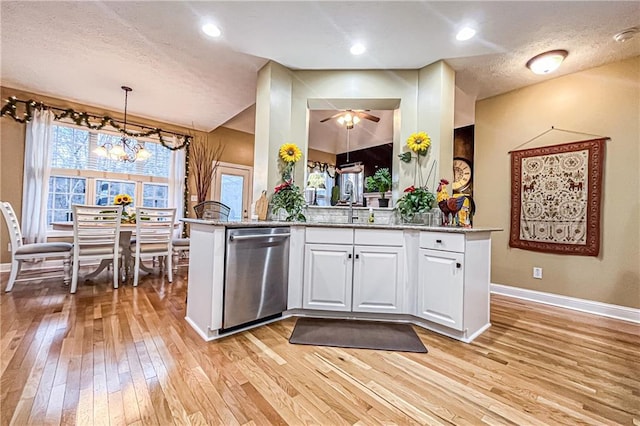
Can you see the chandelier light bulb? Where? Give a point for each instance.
(101, 151)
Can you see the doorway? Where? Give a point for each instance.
(231, 185)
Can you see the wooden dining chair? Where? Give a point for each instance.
(21, 252)
(154, 234)
(96, 235)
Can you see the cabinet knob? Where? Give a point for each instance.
(357, 256)
(439, 241)
(349, 255)
(458, 265)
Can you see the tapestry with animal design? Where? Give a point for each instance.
(556, 196)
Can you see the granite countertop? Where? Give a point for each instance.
(264, 224)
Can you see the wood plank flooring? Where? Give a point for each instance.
(127, 357)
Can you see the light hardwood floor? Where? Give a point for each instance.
(127, 356)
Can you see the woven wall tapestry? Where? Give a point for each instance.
(555, 198)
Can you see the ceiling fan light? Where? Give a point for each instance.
(341, 120)
(546, 62)
(356, 119)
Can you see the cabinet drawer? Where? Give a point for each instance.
(318, 235)
(442, 241)
(379, 237)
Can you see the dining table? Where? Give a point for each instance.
(127, 230)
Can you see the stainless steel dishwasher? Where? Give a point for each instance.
(256, 275)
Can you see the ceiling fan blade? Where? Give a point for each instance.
(333, 116)
(368, 116)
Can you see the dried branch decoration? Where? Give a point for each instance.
(205, 159)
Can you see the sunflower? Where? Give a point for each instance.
(419, 142)
(122, 199)
(290, 153)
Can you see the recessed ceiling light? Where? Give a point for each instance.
(546, 62)
(211, 30)
(465, 34)
(358, 49)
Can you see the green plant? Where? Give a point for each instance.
(288, 196)
(415, 200)
(379, 182)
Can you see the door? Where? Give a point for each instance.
(327, 277)
(231, 186)
(378, 277)
(440, 287)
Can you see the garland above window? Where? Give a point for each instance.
(96, 122)
(91, 121)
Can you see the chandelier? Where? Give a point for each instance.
(128, 150)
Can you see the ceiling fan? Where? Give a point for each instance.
(349, 116)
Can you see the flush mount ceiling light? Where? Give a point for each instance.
(546, 62)
(465, 34)
(358, 49)
(626, 35)
(211, 30)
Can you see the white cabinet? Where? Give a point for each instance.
(441, 287)
(328, 271)
(347, 277)
(378, 278)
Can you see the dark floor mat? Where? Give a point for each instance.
(356, 334)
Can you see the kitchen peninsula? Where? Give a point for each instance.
(434, 277)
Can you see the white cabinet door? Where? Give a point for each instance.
(327, 277)
(441, 287)
(378, 279)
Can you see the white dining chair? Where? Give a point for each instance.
(21, 252)
(154, 235)
(96, 236)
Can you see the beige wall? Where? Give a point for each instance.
(238, 145)
(321, 156)
(602, 101)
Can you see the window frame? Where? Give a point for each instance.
(92, 176)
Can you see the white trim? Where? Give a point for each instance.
(592, 307)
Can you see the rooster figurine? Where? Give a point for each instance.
(461, 207)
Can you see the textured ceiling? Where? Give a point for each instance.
(84, 51)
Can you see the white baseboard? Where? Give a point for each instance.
(597, 308)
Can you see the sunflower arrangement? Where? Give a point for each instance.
(419, 143)
(124, 200)
(287, 195)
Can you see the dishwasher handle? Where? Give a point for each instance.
(256, 236)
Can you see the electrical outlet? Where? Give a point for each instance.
(194, 198)
(537, 273)
(8, 246)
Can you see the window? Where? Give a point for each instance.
(155, 195)
(63, 192)
(78, 176)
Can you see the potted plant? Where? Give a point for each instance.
(414, 202)
(380, 182)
